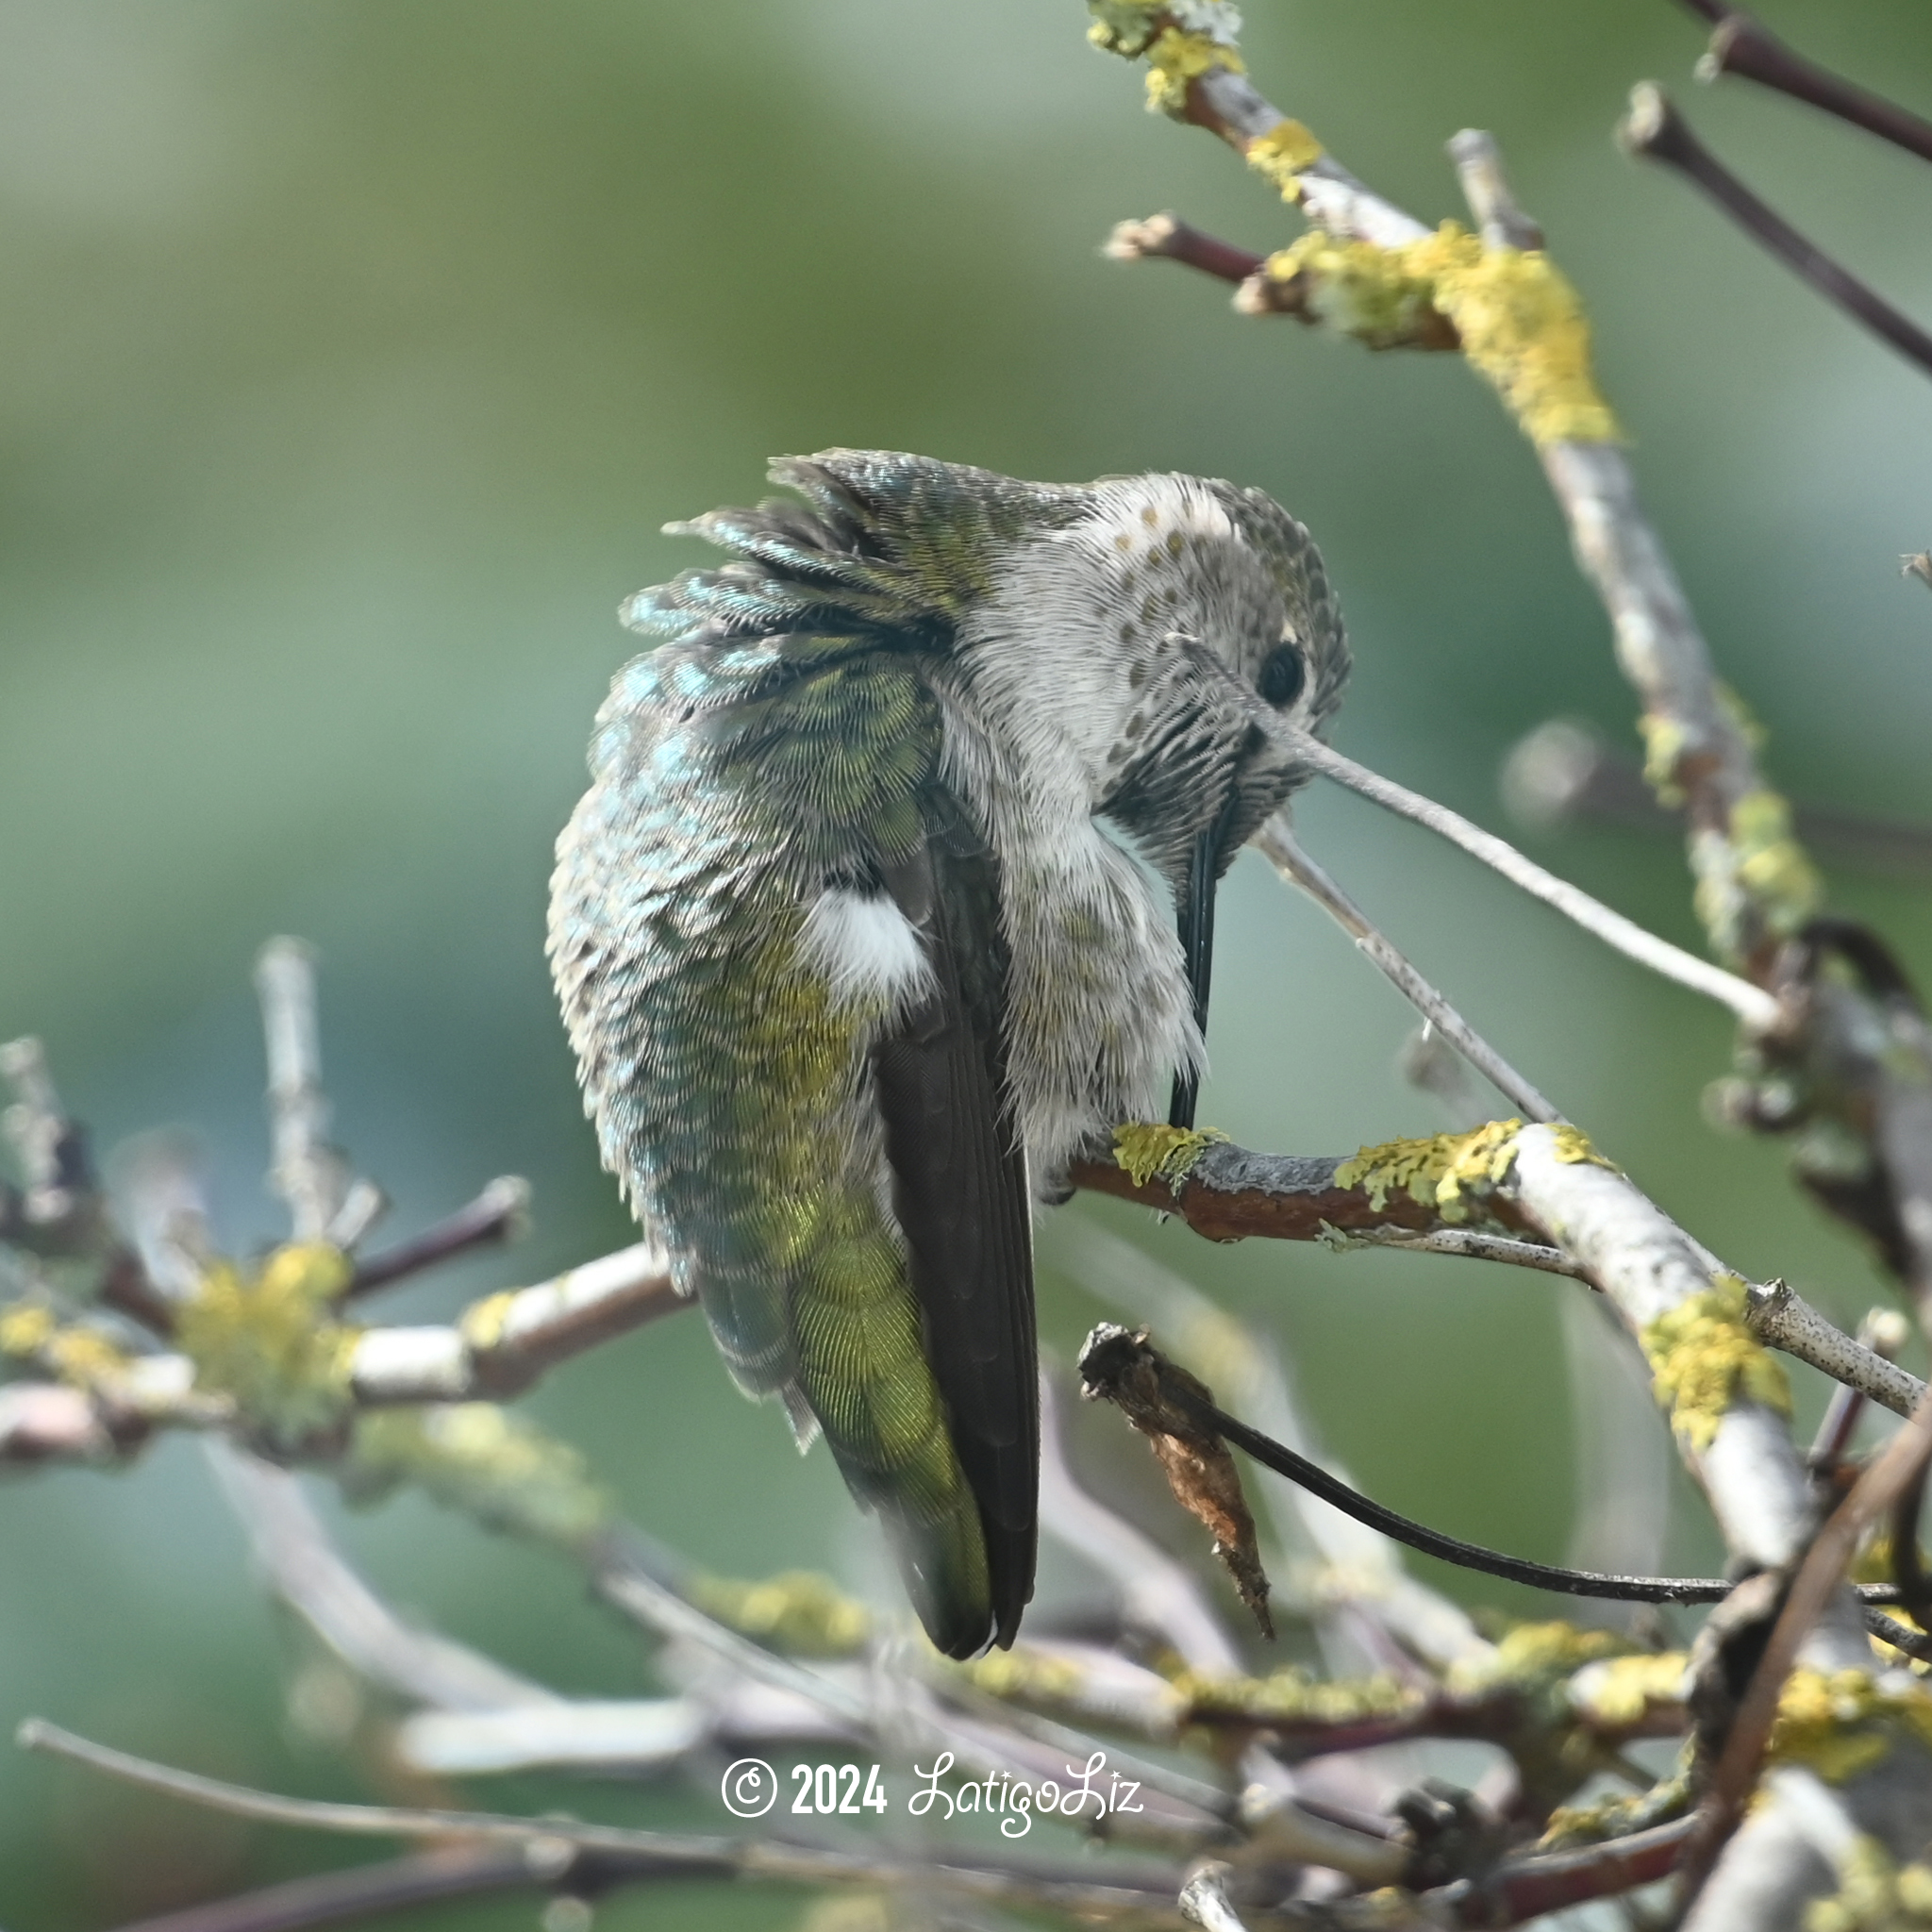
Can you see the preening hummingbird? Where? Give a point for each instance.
(860, 939)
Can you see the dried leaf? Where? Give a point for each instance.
(1118, 1365)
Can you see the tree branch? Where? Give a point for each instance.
(1276, 842)
(306, 1172)
(500, 1213)
(1744, 47)
(1751, 1004)
(1656, 131)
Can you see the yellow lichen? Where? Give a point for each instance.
(798, 1611)
(1704, 1359)
(1534, 1655)
(268, 1338)
(1123, 27)
(25, 1328)
(1571, 1145)
(1664, 744)
(1144, 1149)
(1844, 1724)
(1875, 1894)
(1174, 58)
(1291, 1696)
(1443, 1172)
(1282, 154)
(1619, 1816)
(80, 1356)
(1771, 865)
(1358, 290)
(479, 1459)
(482, 1323)
(1517, 318)
(1523, 329)
(1031, 1677)
(1617, 1693)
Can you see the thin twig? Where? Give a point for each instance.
(1786, 1321)
(308, 1572)
(499, 1213)
(1655, 130)
(1486, 188)
(503, 1343)
(1472, 1246)
(1744, 47)
(1883, 1331)
(697, 1856)
(1914, 1643)
(1277, 843)
(1751, 1004)
(306, 1172)
(1167, 237)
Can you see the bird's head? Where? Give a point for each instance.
(1164, 638)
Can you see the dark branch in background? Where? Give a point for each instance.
(1563, 770)
(1744, 47)
(498, 1214)
(1656, 130)
(1109, 1347)
(1109, 1360)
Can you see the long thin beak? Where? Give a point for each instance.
(1194, 917)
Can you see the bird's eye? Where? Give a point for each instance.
(1282, 676)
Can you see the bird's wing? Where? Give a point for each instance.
(960, 1190)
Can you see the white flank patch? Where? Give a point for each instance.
(866, 948)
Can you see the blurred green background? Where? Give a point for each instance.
(355, 353)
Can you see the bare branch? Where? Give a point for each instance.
(1883, 1331)
(500, 1213)
(307, 1173)
(1745, 47)
(306, 1571)
(1472, 1246)
(1654, 130)
(1751, 1004)
(1786, 1321)
(363, 1892)
(1167, 237)
(1276, 842)
(694, 1855)
(1486, 188)
(505, 1343)
(1819, 1576)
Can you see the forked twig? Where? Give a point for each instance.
(1751, 1004)
(1276, 842)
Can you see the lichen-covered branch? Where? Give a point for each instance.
(1369, 271)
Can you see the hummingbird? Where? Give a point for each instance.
(863, 931)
